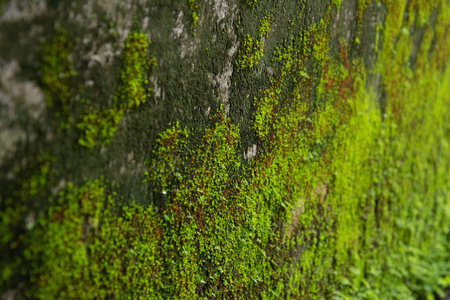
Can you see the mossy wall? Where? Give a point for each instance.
(225, 149)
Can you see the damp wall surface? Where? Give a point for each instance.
(224, 149)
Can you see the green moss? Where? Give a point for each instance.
(361, 7)
(346, 197)
(251, 50)
(39, 180)
(57, 71)
(168, 152)
(137, 67)
(265, 112)
(99, 125)
(214, 244)
(252, 3)
(18, 212)
(264, 26)
(192, 4)
(402, 199)
(96, 248)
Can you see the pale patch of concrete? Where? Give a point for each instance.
(104, 55)
(16, 99)
(251, 152)
(120, 12)
(17, 10)
(179, 26)
(189, 43)
(157, 90)
(226, 13)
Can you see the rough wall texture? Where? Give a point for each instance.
(229, 149)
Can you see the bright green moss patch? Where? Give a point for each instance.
(264, 26)
(251, 50)
(137, 66)
(168, 152)
(265, 112)
(250, 53)
(99, 125)
(96, 247)
(192, 4)
(210, 230)
(292, 173)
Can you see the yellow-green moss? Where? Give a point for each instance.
(193, 6)
(210, 232)
(99, 125)
(264, 26)
(88, 247)
(137, 67)
(251, 50)
(168, 152)
(361, 7)
(347, 197)
(57, 71)
(17, 207)
(252, 3)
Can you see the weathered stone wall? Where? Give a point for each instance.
(224, 149)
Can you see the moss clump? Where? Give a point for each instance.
(168, 152)
(264, 26)
(192, 4)
(99, 125)
(18, 204)
(252, 3)
(347, 197)
(265, 112)
(291, 174)
(137, 67)
(57, 71)
(214, 243)
(97, 248)
(361, 7)
(251, 50)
